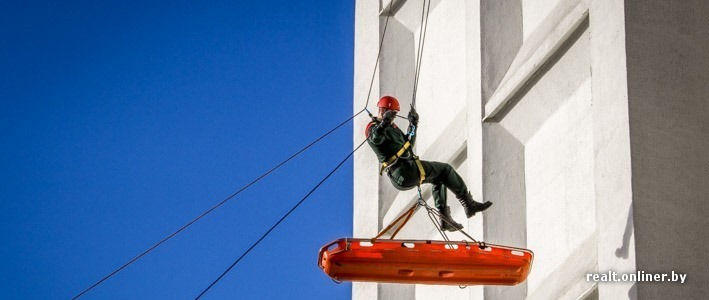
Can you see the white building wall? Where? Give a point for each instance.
(366, 183)
(535, 12)
(529, 100)
(538, 151)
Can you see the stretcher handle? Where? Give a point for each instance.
(322, 251)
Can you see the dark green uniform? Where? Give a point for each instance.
(386, 141)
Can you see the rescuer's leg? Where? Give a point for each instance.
(447, 223)
(440, 200)
(440, 196)
(442, 173)
(471, 206)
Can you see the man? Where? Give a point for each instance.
(393, 149)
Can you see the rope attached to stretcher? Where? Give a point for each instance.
(432, 213)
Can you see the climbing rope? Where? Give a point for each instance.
(419, 53)
(379, 53)
(433, 212)
(437, 226)
(205, 213)
(401, 221)
(281, 220)
(425, 11)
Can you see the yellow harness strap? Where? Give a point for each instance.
(422, 172)
(391, 160)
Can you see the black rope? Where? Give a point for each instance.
(429, 212)
(438, 227)
(425, 10)
(432, 211)
(418, 53)
(421, 43)
(279, 221)
(376, 63)
(215, 207)
(450, 222)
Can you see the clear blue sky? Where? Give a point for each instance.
(123, 120)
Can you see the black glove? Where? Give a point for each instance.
(413, 117)
(388, 117)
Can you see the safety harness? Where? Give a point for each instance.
(389, 162)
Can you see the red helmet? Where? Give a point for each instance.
(389, 102)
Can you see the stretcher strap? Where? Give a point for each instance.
(406, 216)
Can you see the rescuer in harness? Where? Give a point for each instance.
(405, 171)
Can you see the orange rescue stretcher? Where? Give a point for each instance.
(424, 262)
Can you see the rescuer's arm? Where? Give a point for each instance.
(376, 131)
(413, 125)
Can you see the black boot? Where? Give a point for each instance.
(471, 206)
(447, 223)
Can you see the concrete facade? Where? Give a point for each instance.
(585, 122)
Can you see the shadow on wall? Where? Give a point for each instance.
(622, 252)
(502, 37)
(632, 293)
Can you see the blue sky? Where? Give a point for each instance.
(123, 120)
